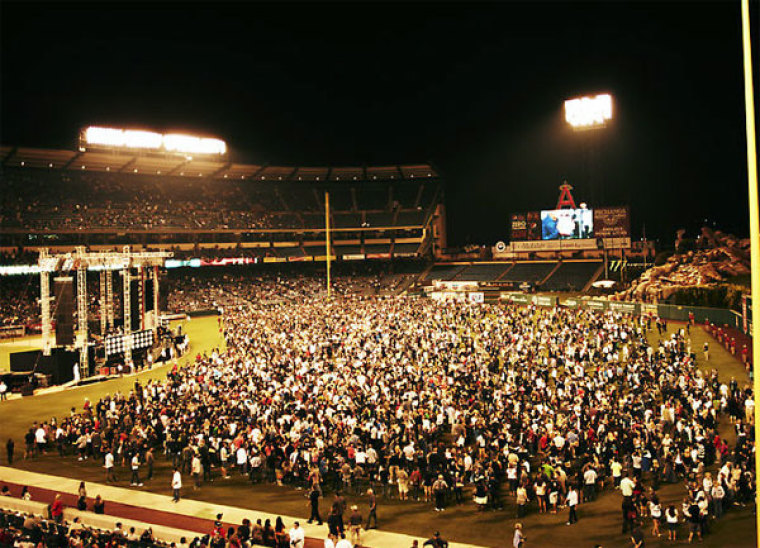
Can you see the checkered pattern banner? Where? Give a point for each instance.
(115, 344)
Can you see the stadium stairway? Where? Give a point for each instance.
(187, 514)
(510, 267)
(594, 278)
(550, 274)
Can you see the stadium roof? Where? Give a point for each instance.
(187, 167)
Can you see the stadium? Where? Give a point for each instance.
(199, 349)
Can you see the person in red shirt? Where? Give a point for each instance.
(56, 509)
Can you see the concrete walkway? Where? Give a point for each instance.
(161, 504)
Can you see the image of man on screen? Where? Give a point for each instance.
(549, 223)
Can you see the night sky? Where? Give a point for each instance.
(477, 89)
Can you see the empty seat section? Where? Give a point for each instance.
(482, 272)
(528, 272)
(571, 276)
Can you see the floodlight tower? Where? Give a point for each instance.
(589, 115)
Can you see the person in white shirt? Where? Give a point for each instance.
(3, 390)
(330, 541)
(242, 460)
(297, 536)
(589, 485)
(136, 471)
(176, 484)
(40, 437)
(718, 494)
(626, 487)
(572, 502)
(109, 466)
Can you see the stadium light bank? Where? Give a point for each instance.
(148, 141)
(589, 112)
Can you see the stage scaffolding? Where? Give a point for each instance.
(106, 262)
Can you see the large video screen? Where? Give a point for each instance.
(567, 224)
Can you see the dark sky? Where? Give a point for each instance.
(475, 88)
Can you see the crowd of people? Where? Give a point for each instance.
(530, 409)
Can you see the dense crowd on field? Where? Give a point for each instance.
(534, 409)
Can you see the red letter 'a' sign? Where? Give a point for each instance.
(565, 197)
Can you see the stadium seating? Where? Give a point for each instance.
(188, 197)
(444, 272)
(571, 276)
(528, 272)
(483, 272)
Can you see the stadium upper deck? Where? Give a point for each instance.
(64, 197)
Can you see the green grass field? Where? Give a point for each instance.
(599, 521)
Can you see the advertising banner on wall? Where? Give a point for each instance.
(625, 308)
(525, 226)
(447, 296)
(544, 300)
(441, 285)
(519, 298)
(649, 309)
(553, 245)
(518, 228)
(476, 297)
(595, 305)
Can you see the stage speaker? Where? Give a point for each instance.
(64, 311)
(148, 295)
(134, 303)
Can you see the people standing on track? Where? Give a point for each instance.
(136, 471)
(439, 491)
(314, 505)
(109, 466)
(56, 509)
(149, 460)
(372, 509)
(572, 502)
(176, 484)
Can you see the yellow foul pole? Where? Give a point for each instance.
(327, 239)
(754, 229)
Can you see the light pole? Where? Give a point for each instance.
(754, 225)
(589, 114)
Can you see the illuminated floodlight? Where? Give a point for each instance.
(142, 139)
(148, 140)
(175, 142)
(104, 136)
(589, 112)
